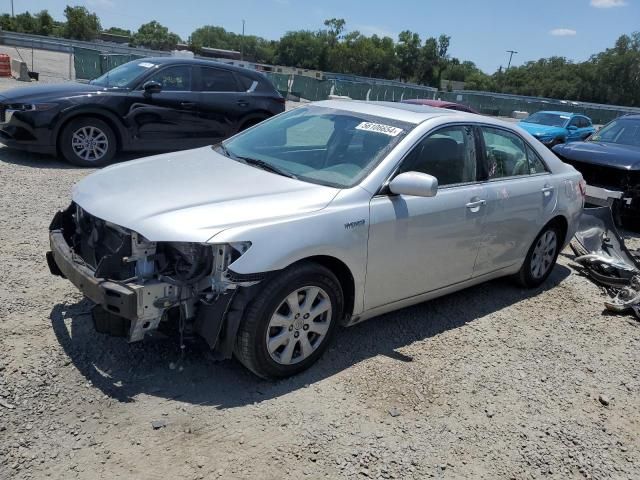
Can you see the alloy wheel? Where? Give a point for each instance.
(89, 143)
(299, 325)
(543, 254)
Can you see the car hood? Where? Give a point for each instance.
(626, 157)
(191, 196)
(541, 130)
(48, 92)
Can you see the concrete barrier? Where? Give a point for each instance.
(20, 70)
(519, 115)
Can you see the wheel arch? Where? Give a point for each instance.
(106, 116)
(561, 222)
(343, 274)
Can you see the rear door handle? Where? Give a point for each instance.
(243, 103)
(476, 204)
(547, 189)
(187, 104)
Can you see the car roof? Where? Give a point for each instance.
(429, 102)
(199, 61)
(556, 112)
(405, 112)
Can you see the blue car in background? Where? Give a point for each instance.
(553, 128)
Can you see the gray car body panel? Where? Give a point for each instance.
(400, 250)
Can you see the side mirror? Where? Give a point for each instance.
(572, 128)
(151, 87)
(414, 183)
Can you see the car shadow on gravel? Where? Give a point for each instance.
(38, 160)
(157, 367)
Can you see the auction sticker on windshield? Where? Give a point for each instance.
(146, 65)
(380, 128)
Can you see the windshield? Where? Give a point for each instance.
(621, 131)
(123, 75)
(549, 119)
(320, 145)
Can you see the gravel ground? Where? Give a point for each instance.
(491, 382)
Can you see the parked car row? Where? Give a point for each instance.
(264, 241)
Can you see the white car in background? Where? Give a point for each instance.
(323, 216)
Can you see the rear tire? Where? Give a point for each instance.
(290, 322)
(88, 142)
(541, 257)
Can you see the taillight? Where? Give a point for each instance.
(583, 187)
(281, 100)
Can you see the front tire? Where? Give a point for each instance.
(88, 142)
(541, 257)
(290, 322)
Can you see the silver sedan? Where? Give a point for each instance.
(326, 215)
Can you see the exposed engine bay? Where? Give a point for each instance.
(140, 286)
(611, 187)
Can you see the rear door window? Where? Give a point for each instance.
(246, 82)
(218, 80)
(536, 165)
(505, 153)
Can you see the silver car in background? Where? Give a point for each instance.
(323, 216)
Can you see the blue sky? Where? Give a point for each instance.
(480, 30)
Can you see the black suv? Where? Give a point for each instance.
(151, 104)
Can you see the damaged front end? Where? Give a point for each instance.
(139, 286)
(601, 252)
(611, 187)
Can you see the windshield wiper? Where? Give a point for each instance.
(224, 150)
(265, 166)
(254, 162)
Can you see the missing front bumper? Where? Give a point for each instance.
(143, 305)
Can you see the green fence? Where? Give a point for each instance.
(504, 105)
(90, 64)
(363, 89)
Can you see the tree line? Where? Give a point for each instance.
(611, 76)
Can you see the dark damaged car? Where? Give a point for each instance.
(153, 104)
(610, 163)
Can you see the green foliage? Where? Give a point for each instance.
(118, 31)
(155, 36)
(612, 76)
(81, 24)
(40, 24)
(254, 48)
(302, 49)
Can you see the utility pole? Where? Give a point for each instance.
(242, 44)
(12, 15)
(511, 53)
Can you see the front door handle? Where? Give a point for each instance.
(187, 104)
(243, 103)
(474, 206)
